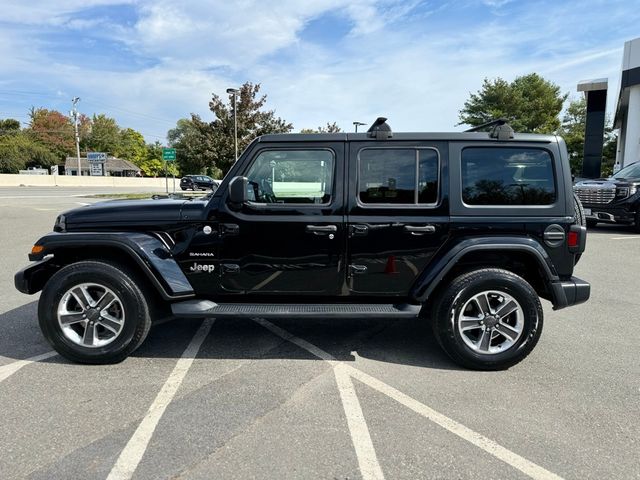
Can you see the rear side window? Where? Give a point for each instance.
(399, 176)
(507, 176)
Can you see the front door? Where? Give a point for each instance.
(397, 214)
(289, 237)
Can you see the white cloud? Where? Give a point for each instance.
(403, 60)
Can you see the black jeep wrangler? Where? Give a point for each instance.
(612, 200)
(465, 230)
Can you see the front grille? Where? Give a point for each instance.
(599, 196)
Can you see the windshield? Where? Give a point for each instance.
(631, 171)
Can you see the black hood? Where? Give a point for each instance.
(133, 213)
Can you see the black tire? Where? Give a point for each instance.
(591, 223)
(455, 296)
(136, 322)
(184, 189)
(581, 218)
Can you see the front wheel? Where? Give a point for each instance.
(488, 319)
(93, 312)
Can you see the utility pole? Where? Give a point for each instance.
(74, 114)
(235, 92)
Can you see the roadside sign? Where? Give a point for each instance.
(169, 154)
(96, 157)
(96, 169)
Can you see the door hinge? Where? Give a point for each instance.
(229, 229)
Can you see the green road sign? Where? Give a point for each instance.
(168, 154)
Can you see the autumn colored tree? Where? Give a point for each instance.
(53, 130)
(329, 128)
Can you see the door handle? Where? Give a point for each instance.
(321, 229)
(421, 230)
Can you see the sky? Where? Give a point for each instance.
(148, 63)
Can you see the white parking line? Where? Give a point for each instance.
(134, 450)
(626, 238)
(7, 370)
(498, 451)
(365, 452)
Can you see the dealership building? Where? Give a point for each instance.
(627, 117)
(627, 114)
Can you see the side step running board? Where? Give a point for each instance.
(207, 308)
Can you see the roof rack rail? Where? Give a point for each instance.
(380, 129)
(501, 129)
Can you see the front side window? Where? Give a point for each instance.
(507, 176)
(291, 176)
(402, 176)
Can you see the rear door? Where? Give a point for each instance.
(397, 214)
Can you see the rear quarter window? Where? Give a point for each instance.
(507, 176)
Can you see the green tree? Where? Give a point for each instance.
(132, 146)
(53, 130)
(209, 147)
(104, 136)
(153, 165)
(20, 150)
(530, 104)
(329, 128)
(192, 140)
(9, 125)
(573, 131)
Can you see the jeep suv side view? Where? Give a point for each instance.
(464, 230)
(612, 200)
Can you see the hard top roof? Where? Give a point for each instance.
(405, 136)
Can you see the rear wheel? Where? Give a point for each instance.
(488, 319)
(93, 312)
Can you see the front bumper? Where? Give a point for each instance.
(609, 214)
(570, 292)
(32, 278)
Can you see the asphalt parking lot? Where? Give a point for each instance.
(321, 399)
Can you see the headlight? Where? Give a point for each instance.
(634, 189)
(61, 224)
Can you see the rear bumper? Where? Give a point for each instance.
(570, 292)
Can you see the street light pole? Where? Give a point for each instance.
(235, 92)
(357, 124)
(74, 112)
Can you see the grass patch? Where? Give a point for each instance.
(126, 196)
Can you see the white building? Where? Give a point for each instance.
(627, 118)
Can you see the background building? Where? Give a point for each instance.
(113, 167)
(627, 118)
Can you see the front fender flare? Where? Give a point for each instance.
(147, 251)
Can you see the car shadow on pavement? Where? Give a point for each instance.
(404, 341)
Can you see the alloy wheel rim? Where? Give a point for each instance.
(90, 315)
(490, 322)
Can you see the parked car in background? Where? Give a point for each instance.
(612, 200)
(198, 182)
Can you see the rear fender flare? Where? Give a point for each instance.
(437, 270)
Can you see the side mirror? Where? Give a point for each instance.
(238, 191)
